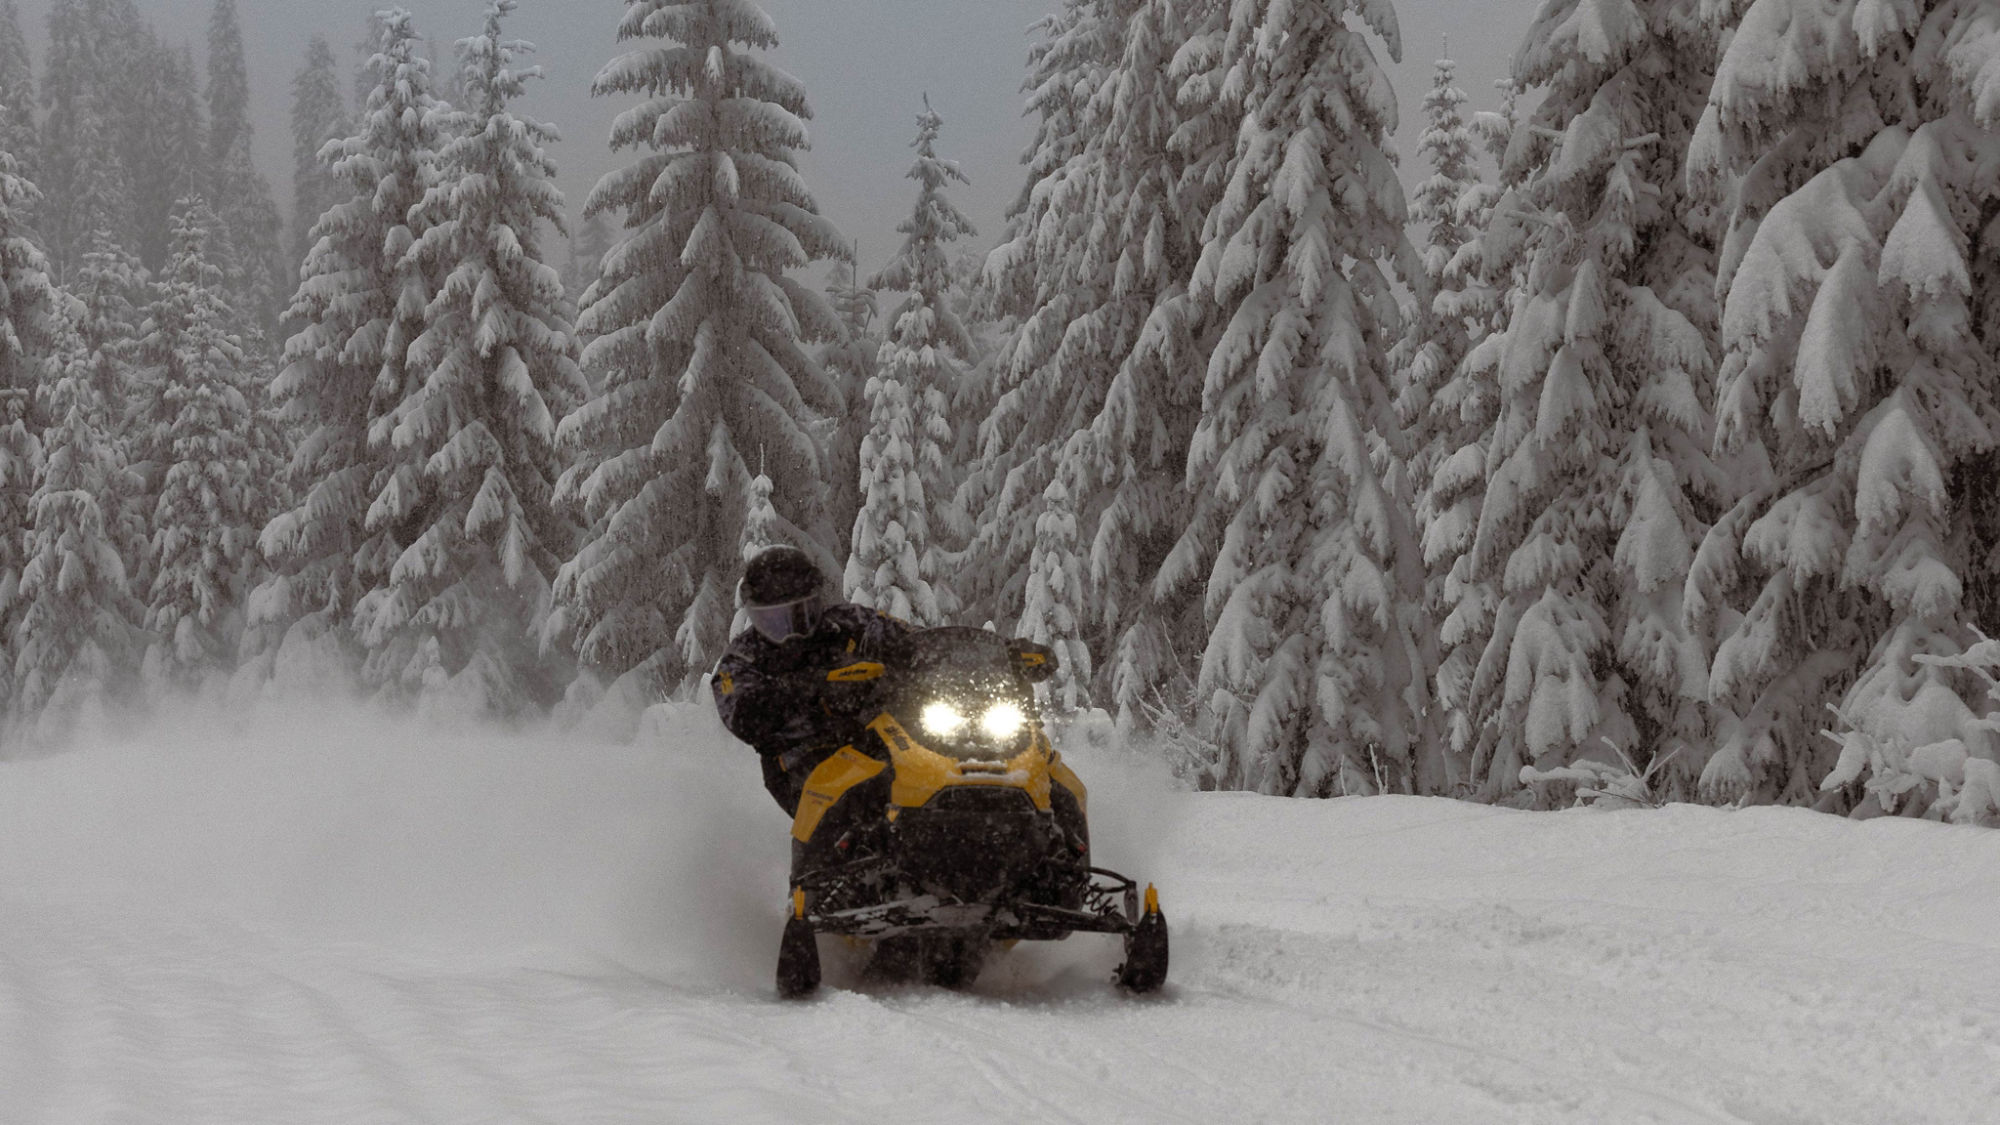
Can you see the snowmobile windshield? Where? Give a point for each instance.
(962, 697)
(785, 620)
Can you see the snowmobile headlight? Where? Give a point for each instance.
(942, 720)
(1003, 721)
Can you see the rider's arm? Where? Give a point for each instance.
(764, 707)
(883, 638)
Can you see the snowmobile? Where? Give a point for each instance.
(949, 825)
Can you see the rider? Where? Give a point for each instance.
(771, 686)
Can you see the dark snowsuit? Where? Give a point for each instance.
(776, 696)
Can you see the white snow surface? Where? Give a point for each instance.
(309, 914)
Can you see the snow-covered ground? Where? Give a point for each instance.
(323, 917)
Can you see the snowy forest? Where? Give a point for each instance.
(1644, 451)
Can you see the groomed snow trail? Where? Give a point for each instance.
(316, 916)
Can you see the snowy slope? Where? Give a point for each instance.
(319, 917)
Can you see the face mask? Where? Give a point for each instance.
(785, 620)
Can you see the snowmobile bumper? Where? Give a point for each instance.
(1110, 905)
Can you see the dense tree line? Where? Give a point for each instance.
(1645, 448)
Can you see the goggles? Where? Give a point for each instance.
(785, 620)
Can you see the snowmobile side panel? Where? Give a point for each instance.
(843, 770)
(1060, 772)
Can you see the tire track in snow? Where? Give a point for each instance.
(1664, 1026)
(978, 1044)
(1680, 1111)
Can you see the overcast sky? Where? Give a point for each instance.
(866, 64)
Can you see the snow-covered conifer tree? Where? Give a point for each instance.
(760, 526)
(850, 361)
(167, 132)
(698, 328)
(360, 303)
(20, 463)
(78, 636)
(1099, 383)
(471, 587)
(906, 474)
(206, 465)
(886, 568)
(1026, 420)
(1485, 270)
(1451, 204)
(30, 327)
(1052, 605)
(1128, 473)
(124, 134)
(17, 90)
(111, 288)
(86, 182)
(250, 247)
(1438, 335)
(1596, 483)
(319, 115)
(1302, 531)
(1859, 155)
(365, 78)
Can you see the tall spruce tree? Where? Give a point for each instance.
(1099, 383)
(1049, 613)
(124, 134)
(1033, 406)
(360, 303)
(112, 289)
(205, 456)
(365, 78)
(1597, 484)
(1458, 418)
(885, 570)
(30, 327)
(1134, 458)
(17, 91)
(250, 244)
(1302, 531)
(1436, 339)
(850, 361)
(1855, 152)
(467, 600)
(319, 116)
(906, 473)
(698, 328)
(168, 154)
(1439, 336)
(87, 185)
(78, 637)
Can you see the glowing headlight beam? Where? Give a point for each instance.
(1003, 721)
(941, 719)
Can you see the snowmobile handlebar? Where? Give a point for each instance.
(1034, 662)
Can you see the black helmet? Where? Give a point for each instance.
(780, 574)
(781, 592)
